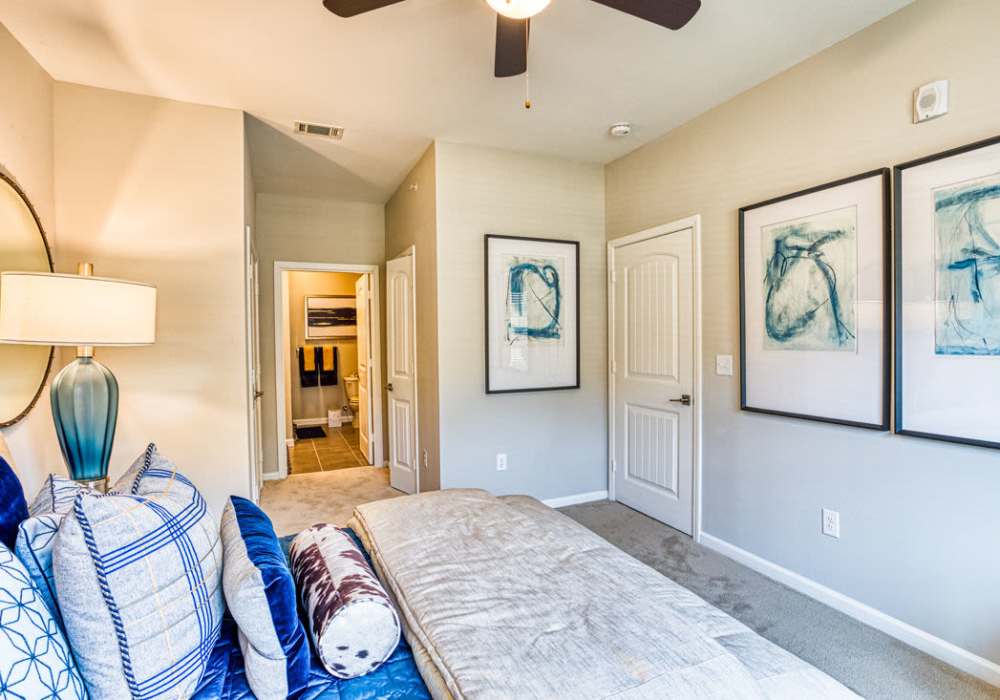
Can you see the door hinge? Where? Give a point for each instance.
(614, 276)
(614, 467)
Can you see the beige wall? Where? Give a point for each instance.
(556, 441)
(26, 155)
(303, 229)
(307, 402)
(917, 516)
(411, 220)
(153, 190)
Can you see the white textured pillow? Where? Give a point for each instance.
(353, 624)
(36, 536)
(139, 582)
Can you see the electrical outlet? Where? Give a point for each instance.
(724, 365)
(501, 462)
(831, 523)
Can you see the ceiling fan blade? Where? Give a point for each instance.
(349, 8)
(512, 46)
(672, 14)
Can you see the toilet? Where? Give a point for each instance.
(351, 389)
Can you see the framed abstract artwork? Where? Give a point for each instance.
(948, 295)
(532, 314)
(330, 316)
(815, 338)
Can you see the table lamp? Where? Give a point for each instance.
(86, 311)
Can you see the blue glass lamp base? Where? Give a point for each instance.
(85, 410)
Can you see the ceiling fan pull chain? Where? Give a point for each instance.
(527, 80)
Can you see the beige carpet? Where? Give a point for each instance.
(302, 500)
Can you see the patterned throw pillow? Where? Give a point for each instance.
(37, 535)
(13, 507)
(260, 593)
(353, 624)
(139, 581)
(35, 660)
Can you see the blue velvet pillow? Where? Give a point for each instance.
(13, 507)
(260, 594)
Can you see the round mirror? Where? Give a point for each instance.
(23, 368)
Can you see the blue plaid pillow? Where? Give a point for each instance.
(35, 660)
(138, 579)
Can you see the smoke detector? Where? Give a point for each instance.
(323, 130)
(620, 130)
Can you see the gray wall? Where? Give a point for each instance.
(556, 441)
(304, 229)
(919, 520)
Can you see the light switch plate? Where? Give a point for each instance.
(724, 365)
(502, 462)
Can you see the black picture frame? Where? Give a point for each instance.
(898, 171)
(486, 305)
(887, 321)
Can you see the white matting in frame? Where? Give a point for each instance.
(948, 295)
(532, 314)
(814, 302)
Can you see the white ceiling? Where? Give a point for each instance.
(398, 77)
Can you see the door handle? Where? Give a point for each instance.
(258, 395)
(388, 387)
(684, 400)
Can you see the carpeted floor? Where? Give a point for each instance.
(869, 662)
(302, 500)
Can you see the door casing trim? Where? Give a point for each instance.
(280, 350)
(693, 223)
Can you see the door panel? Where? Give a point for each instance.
(363, 298)
(652, 368)
(402, 386)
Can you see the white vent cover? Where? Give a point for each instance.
(324, 130)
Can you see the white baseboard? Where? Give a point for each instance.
(271, 476)
(303, 422)
(924, 641)
(289, 442)
(576, 498)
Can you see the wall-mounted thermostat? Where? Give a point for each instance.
(930, 101)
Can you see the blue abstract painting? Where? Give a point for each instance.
(810, 282)
(534, 299)
(967, 226)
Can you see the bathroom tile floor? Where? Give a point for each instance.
(338, 450)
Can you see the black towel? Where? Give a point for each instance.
(317, 376)
(307, 379)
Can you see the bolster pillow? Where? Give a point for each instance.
(352, 622)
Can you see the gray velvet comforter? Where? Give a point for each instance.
(506, 598)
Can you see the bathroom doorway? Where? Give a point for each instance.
(328, 367)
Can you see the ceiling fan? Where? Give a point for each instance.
(514, 19)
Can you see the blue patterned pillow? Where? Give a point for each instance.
(37, 535)
(35, 660)
(139, 582)
(13, 507)
(260, 593)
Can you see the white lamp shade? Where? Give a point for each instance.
(50, 309)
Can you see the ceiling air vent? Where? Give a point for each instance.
(324, 130)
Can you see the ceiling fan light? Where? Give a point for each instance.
(518, 9)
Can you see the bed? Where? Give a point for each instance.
(507, 598)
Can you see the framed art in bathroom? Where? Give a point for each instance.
(947, 220)
(532, 292)
(815, 306)
(331, 316)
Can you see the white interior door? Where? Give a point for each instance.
(364, 426)
(653, 372)
(401, 374)
(253, 366)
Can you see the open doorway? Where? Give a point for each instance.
(328, 370)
